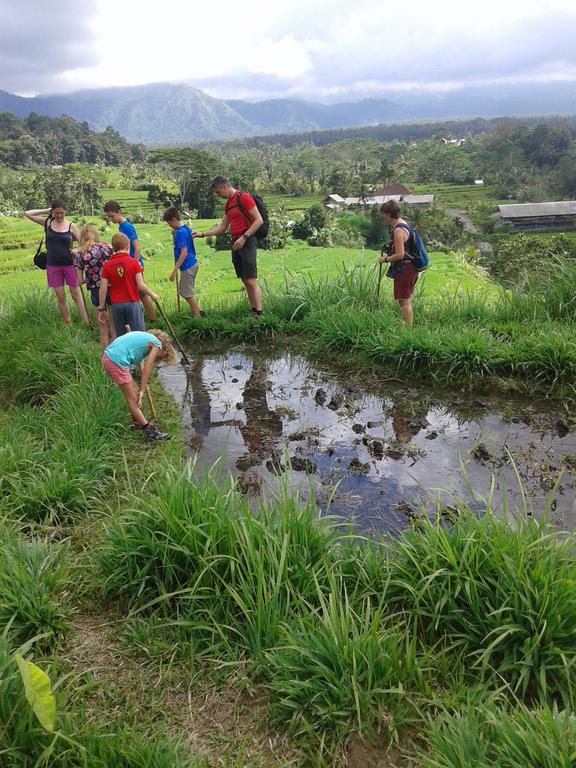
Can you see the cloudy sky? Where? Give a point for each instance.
(321, 49)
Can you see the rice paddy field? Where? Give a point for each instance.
(153, 616)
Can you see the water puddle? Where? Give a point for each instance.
(371, 448)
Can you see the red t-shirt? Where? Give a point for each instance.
(239, 222)
(120, 270)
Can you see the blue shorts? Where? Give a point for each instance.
(127, 313)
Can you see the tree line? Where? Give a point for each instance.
(41, 140)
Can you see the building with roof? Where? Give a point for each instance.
(391, 191)
(333, 202)
(539, 216)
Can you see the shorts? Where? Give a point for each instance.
(244, 260)
(117, 373)
(187, 280)
(95, 296)
(127, 313)
(57, 277)
(404, 282)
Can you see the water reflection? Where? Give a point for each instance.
(369, 447)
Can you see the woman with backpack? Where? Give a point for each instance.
(401, 269)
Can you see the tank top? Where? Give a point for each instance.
(58, 247)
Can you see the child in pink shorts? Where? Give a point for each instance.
(137, 347)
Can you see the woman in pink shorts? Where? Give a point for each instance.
(60, 271)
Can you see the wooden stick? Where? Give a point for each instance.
(169, 324)
(177, 290)
(86, 308)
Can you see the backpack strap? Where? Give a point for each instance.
(409, 241)
(241, 207)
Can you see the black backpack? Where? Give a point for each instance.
(262, 232)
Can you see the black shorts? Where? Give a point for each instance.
(244, 260)
(94, 296)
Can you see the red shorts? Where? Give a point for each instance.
(404, 283)
(117, 373)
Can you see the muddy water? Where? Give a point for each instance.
(369, 448)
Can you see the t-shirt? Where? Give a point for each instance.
(92, 261)
(120, 270)
(183, 239)
(239, 222)
(128, 229)
(131, 348)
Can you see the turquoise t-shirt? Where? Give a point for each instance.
(131, 348)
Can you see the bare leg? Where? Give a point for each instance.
(104, 330)
(149, 307)
(77, 296)
(62, 304)
(254, 292)
(194, 306)
(406, 309)
(130, 392)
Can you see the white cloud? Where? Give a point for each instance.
(306, 47)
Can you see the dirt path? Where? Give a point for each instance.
(456, 213)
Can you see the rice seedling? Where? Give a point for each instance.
(342, 671)
(501, 594)
(34, 577)
(489, 734)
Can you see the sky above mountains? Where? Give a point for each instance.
(318, 49)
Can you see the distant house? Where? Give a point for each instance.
(333, 202)
(419, 201)
(479, 182)
(540, 216)
(456, 142)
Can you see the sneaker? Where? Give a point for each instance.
(256, 312)
(153, 433)
(202, 313)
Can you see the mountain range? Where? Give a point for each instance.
(168, 114)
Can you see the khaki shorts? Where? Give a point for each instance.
(187, 280)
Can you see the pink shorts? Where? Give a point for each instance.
(59, 276)
(117, 373)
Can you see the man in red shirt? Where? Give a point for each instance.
(244, 219)
(123, 275)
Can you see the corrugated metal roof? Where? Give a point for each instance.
(524, 210)
(415, 199)
(336, 198)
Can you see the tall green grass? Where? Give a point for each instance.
(34, 578)
(503, 595)
(489, 735)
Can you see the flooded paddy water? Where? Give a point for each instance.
(370, 448)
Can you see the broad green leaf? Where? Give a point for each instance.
(38, 691)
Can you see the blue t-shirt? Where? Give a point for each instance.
(183, 239)
(131, 348)
(128, 229)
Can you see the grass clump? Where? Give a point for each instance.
(503, 595)
(228, 575)
(34, 576)
(344, 670)
(490, 735)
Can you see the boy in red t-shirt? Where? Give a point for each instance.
(123, 275)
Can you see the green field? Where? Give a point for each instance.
(216, 279)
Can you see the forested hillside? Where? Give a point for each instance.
(59, 140)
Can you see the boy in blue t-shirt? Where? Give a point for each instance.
(114, 213)
(184, 258)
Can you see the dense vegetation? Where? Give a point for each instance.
(38, 139)
(458, 633)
